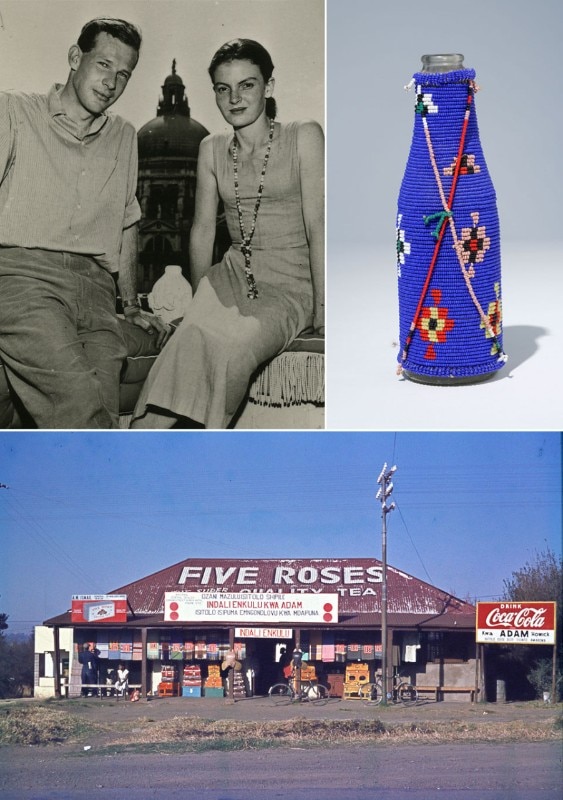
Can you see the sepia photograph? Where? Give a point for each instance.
(162, 214)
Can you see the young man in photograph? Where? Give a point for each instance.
(68, 227)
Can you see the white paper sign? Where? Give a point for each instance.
(244, 607)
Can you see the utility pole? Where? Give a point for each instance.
(385, 489)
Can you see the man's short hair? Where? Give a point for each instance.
(126, 32)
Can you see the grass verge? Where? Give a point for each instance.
(44, 724)
(37, 724)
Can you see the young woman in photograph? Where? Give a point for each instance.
(269, 286)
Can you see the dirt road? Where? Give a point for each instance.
(418, 772)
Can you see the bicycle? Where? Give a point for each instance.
(402, 692)
(309, 692)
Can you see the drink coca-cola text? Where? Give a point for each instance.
(525, 617)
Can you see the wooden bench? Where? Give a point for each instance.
(469, 689)
(438, 691)
(107, 689)
(429, 689)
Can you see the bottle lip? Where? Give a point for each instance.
(442, 62)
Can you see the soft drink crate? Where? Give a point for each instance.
(211, 691)
(167, 688)
(191, 691)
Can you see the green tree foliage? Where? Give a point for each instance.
(16, 663)
(541, 578)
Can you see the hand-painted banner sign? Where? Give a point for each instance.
(242, 607)
(263, 633)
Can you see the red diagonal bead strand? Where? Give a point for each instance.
(442, 230)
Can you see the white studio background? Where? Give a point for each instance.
(373, 48)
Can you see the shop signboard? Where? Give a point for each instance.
(264, 633)
(528, 622)
(99, 608)
(352, 580)
(243, 607)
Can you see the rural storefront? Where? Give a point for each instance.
(174, 628)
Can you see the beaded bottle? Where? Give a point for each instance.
(448, 239)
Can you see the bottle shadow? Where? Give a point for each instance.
(521, 342)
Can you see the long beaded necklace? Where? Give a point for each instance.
(246, 243)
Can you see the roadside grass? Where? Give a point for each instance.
(45, 724)
(37, 724)
(196, 734)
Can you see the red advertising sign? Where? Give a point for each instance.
(528, 622)
(99, 608)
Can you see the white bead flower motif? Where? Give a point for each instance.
(403, 247)
(424, 104)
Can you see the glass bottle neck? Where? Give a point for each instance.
(445, 62)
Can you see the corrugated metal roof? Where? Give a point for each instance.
(357, 581)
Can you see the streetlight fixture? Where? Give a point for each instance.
(384, 491)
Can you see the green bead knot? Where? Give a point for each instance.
(441, 216)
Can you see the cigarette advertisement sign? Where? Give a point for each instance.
(99, 608)
(528, 622)
(244, 608)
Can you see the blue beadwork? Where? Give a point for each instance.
(463, 348)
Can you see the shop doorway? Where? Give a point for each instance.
(261, 654)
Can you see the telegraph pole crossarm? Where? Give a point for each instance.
(384, 491)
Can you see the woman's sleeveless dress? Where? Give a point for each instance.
(204, 370)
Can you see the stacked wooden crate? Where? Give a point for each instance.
(239, 686)
(355, 677)
(213, 686)
(191, 681)
(168, 686)
(308, 672)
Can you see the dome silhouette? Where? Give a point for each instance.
(172, 133)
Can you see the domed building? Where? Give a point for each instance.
(168, 152)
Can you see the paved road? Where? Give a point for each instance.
(408, 772)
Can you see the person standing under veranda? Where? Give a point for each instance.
(88, 657)
(68, 225)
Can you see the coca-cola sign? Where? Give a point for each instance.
(528, 622)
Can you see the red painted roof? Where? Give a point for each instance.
(357, 581)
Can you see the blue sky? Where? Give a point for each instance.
(89, 512)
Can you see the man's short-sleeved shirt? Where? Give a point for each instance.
(61, 191)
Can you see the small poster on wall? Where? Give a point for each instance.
(99, 608)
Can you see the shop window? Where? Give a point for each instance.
(448, 648)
